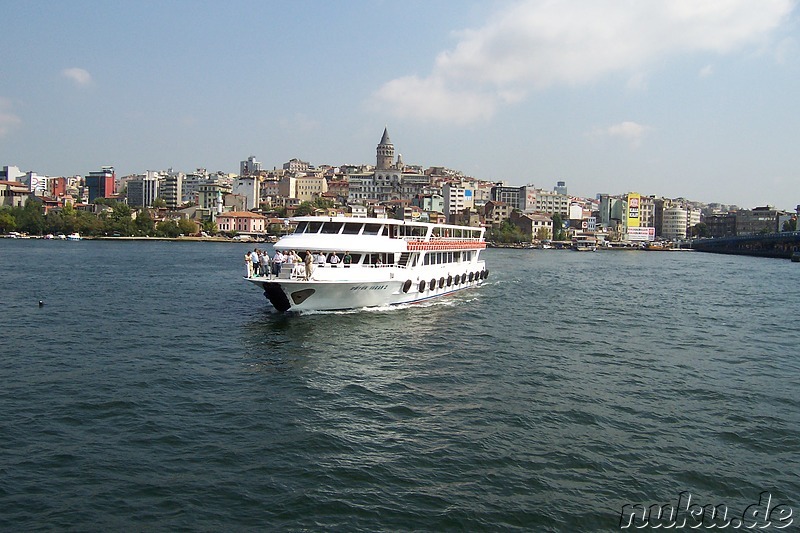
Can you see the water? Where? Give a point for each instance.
(156, 390)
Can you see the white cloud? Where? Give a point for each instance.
(8, 120)
(535, 44)
(706, 71)
(629, 131)
(78, 76)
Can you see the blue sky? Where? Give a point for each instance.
(689, 98)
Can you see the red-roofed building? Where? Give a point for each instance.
(13, 193)
(242, 222)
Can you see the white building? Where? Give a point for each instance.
(457, 197)
(250, 188)
(143, 189)
(674, 223)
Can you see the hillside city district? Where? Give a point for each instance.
(257, 203)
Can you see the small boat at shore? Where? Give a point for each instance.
(74, 237)
(388, 262)
(584, 243)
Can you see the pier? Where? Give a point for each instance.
(780, 245)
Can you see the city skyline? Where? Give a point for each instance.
(675, 99)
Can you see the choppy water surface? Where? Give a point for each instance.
(156, 390)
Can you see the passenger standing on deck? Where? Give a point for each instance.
(248, 264)
(254, 260)
(334, 259)
(347, 259)
(277, 261)
(309, 264)
(263, 262)
(320, 258)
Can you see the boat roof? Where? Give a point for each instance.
(372, 220)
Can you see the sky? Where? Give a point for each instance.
(678, 98)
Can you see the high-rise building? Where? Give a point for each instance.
(251, 167)
(172, 189)
(143, 189)
(101, 184)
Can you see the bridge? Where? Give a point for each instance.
(781, 245)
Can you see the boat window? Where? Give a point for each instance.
(426, 260)
(301, 227)
(331, 227)
(313, 227)
(356, 258)
(351, 229)
(372, 229)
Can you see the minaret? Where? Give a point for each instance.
(385, 152)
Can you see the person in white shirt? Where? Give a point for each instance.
(277, 261)
(254, 260)
(334, 259)
(320, 258)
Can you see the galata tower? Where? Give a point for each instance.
(385, 152)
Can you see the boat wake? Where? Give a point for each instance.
(449, 302)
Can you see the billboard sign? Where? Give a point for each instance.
(634, 200)
(641, 234)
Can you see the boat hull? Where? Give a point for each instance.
(300, 295)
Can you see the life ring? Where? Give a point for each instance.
(407, 285)
(422, 286)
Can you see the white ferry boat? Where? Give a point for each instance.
(391, 262)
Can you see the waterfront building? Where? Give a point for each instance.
(721, 225)
(758, 220)
(561, 188)
(537, 225)
(674, 223)
(243, 222)
(101, 184)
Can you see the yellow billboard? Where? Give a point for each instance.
(633, 210)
